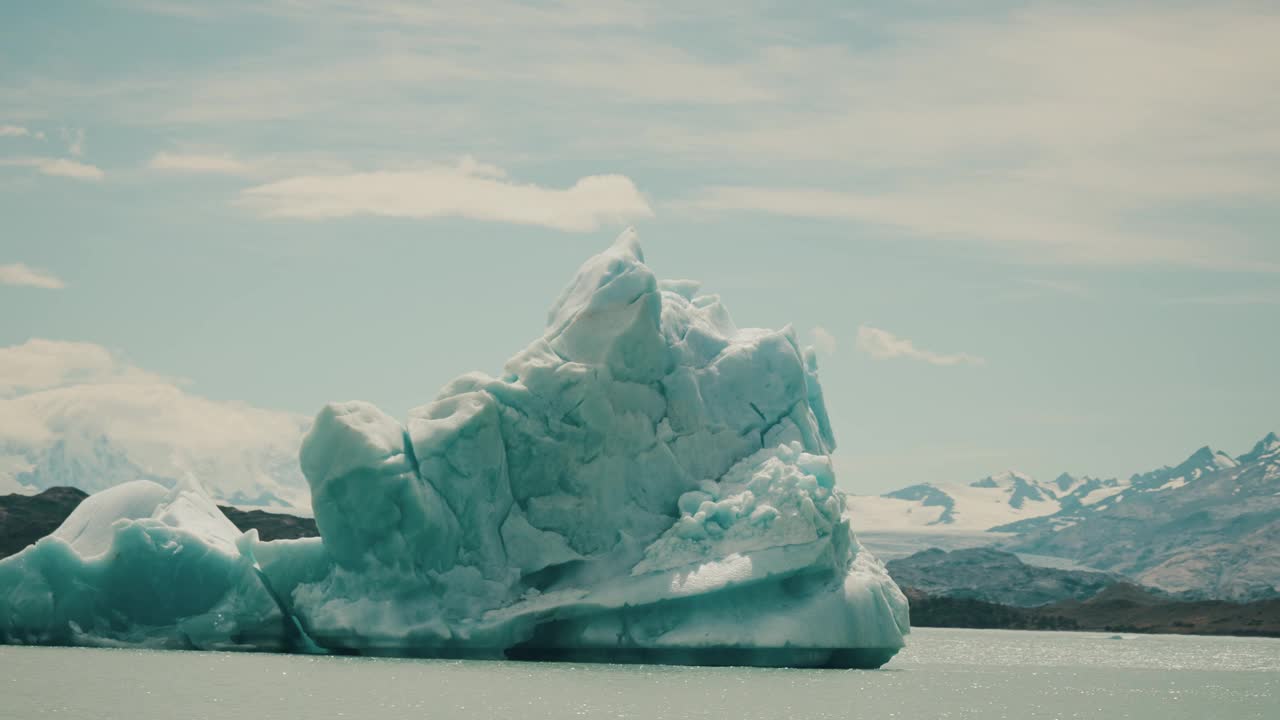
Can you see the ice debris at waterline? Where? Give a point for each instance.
(645, 482)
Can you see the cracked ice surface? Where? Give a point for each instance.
(645, 482)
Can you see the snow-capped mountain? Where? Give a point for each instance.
(1092, 495)
(973, 507)
(1207, 526)
(1015, 502)
(1266, 448)
(74, 414)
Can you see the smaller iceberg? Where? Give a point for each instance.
(645, 482)
(138, 564)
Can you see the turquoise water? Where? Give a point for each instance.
(943, 674)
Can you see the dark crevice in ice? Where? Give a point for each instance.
(295, 634)
(409, 454)
(769, 425)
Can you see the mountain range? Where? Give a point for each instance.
(976, 506)
(1206, 527)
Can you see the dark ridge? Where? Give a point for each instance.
(1120, 608)
(994, 576)
(25, 519)
(949, 612)
(271, 526)
(929, 496)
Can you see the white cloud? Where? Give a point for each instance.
(1041, 132)
(199, 163)
(113, 421)
(40, 364)
(468, 189)
(57, 167)
(20, 275)
(823, 341)
(1051, 89)
(885, 345)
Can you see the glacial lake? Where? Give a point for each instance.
(943, 674)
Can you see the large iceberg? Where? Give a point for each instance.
(645, 482)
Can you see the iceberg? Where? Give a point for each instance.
(141, 565)
(645, 482)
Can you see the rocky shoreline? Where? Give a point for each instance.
(1121, 608)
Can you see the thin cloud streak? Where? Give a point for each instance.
(1013, 218)
(57, 167)
(197, 163)
(20, 275)
(884, 345)
(1057, 286)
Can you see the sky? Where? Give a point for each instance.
(1033, 236)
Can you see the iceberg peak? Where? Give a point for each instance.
(629, 240)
